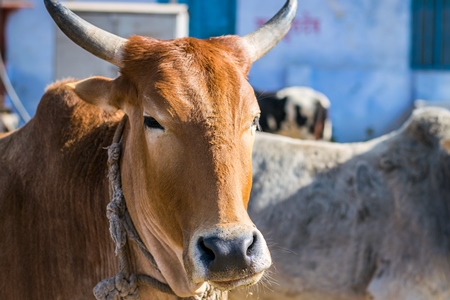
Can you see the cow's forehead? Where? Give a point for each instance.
(190, 77)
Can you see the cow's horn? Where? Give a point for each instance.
(101, 43)
(263, 39)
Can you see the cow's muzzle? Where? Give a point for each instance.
(228, 258)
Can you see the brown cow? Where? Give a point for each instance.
(185, 169)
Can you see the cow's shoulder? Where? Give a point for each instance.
(428, 125)
(53, 179)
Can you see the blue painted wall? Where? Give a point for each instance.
(356, 52)
(29, 53)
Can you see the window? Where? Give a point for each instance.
(430, 34)
(209, 18)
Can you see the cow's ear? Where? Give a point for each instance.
(101, 91)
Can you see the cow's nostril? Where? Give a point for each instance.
(207, 254)
(251, 247)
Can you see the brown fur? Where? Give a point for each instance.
(196, 176)
(51, 249)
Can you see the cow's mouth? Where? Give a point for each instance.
(231, 284)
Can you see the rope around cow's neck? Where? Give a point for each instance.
(125, 284)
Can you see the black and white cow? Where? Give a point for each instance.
(297, 112)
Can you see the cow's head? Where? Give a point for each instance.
(186, 167)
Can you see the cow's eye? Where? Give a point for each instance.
(152, 123)
(255, 124)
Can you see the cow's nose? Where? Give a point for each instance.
(220, 254)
